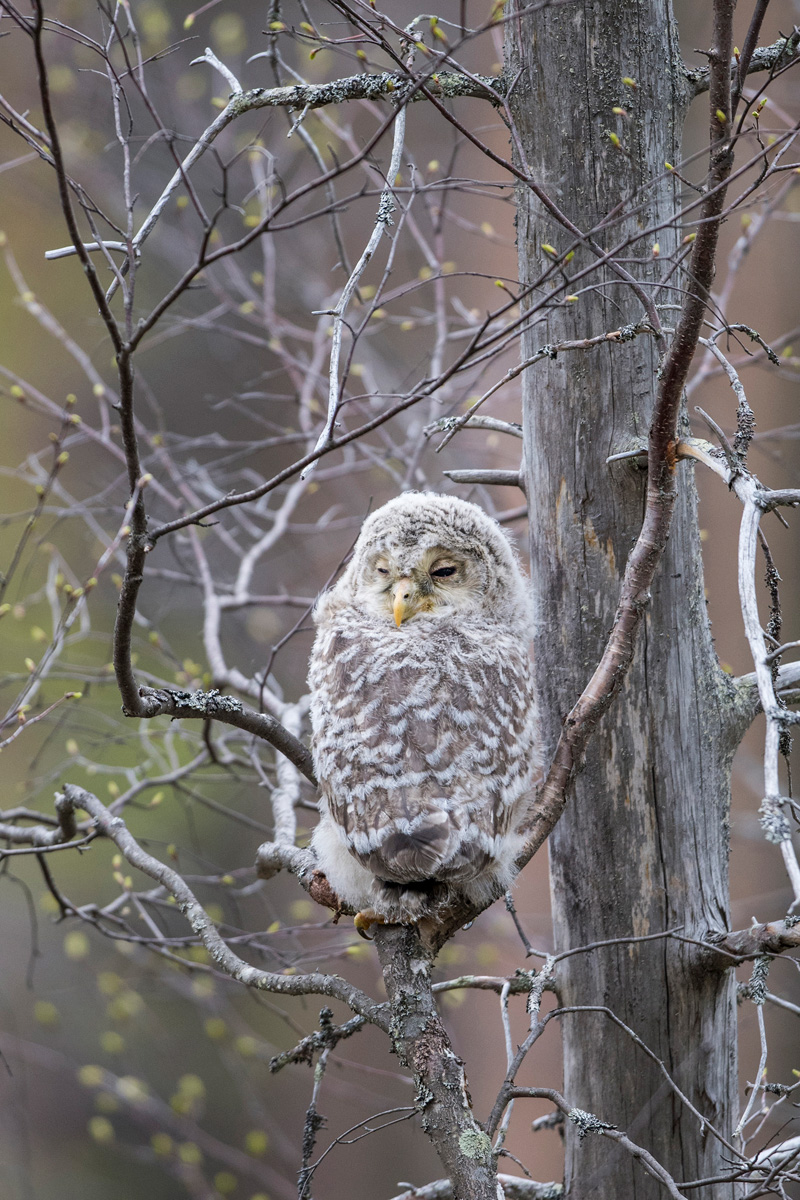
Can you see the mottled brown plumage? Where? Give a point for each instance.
(424, 736)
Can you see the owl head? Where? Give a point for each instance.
(423, 553)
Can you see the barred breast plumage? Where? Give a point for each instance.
(424, 735)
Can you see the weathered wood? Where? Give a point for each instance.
(643, 844)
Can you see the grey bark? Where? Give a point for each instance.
(643, 844)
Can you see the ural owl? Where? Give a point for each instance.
(424, 737)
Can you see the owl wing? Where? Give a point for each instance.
(423, 742)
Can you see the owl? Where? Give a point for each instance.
(423, 721)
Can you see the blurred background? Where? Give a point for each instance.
(122, 1068)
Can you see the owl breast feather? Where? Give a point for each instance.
(423, 741)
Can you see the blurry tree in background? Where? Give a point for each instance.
(280, 288)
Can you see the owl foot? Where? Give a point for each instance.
(364, 920)
(321, 891)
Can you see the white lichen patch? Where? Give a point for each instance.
(477, 1145)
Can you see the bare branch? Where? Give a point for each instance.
(40, 836)
(202, 925)
(624, 334)
(587, 1124)
(489, 477)
(156, 702)
(303, 97)
(757, 992)
(774, 937)
(756, 500)
(764, 58)
(513, 1187)
(383, 220)
(327, 1037)
(273, 857)
(489, 423)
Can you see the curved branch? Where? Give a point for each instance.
(646, 555)
(267, 981)
(156, 702)
(41, 835)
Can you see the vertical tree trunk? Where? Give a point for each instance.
(643, 845)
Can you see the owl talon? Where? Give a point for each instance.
(363, 921)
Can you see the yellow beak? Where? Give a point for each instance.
(404, 601)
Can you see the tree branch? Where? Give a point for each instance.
(775, 937)
(156, 702)
(787, 687)
(489, 476)
(326, 1037)
(587, 1124)
(513, 1187)
(42, 836)
(386, 207)
(764, 58)
(304, 97)
(756, 500)
(114, 827)
(273, 857)
(422, 1044)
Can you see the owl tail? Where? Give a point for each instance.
(411, 858)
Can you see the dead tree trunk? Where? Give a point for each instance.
(643, 845)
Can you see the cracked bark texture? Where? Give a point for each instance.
(643, 844)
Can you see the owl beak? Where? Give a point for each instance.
(404, 601)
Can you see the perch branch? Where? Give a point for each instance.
(423, 1046)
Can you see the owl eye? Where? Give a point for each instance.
(443, 572)
(382, 570)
